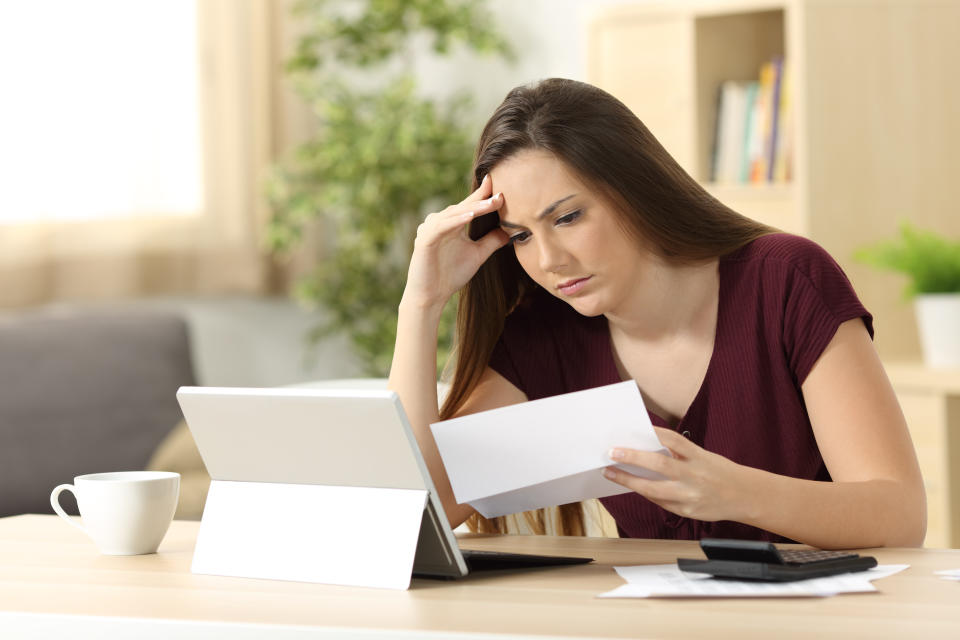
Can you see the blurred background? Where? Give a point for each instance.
(140, 140)
(257, 168)
(170, 153)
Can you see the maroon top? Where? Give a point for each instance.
(782, 298)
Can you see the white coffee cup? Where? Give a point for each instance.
(127, 512)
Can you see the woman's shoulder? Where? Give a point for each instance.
(787, 250)
(794, 274)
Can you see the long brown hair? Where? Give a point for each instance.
(611, 151)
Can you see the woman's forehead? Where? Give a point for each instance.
(531, 181)
(531, 162)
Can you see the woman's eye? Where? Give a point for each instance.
(569, 217)
(520, 238)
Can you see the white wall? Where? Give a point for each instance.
(548, 36)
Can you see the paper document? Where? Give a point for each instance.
(949, 574)
(667, 581)
(544, 452)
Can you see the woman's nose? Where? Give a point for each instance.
(552, 256)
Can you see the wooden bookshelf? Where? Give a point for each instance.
(876, 135)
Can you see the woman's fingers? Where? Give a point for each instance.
(650, 460)
(652, 489)
(675, 442)
(478, 207)
(456, 216)
(492, 241)
(444, 258)
(453, 221)
(483, 191)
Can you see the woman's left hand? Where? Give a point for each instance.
(697, 483)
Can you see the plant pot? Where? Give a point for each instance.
(938, 320)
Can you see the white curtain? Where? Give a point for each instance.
(135, 137)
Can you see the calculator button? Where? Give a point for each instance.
(805, 556)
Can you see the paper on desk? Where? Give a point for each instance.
(544, 452)
(667, 581)
(949, 574)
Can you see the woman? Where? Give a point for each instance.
(750, 348)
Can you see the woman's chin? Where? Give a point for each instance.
(585, 307)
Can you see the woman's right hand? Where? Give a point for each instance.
(444, 257)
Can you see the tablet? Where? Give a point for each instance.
(334, 437)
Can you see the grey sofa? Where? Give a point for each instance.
(84, 391)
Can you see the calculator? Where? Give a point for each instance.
(755, 560)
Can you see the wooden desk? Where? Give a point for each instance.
(54, 583)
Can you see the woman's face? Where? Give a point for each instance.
(566, 237)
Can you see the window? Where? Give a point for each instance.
(100, 117)
(134, 138)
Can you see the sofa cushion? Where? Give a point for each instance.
(178, 452)
(84, 391)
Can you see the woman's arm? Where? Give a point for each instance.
(864, 441)
(876, 497)
(413, 377)
(443, 260)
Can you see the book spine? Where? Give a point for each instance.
(762, 124)
(729, 132)
(784, 151)
(751, 133)
(776, 71)
(717, 150)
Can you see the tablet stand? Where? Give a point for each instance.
(357, 536)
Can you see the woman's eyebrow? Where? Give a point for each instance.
(547, 211)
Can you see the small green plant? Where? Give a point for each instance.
(381, 158)
(931, 261)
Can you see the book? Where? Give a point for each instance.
(783, 152)
(763, 125)
(773, 117)
(753, 133)
(731, 120)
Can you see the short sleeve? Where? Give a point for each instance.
(818, 299)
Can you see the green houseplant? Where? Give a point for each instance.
(380, 159)
(932, 264)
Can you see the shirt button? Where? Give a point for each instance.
(686, 434)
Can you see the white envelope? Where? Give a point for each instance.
(544, 452)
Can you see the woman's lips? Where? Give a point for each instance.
(572, 286)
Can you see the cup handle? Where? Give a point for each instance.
(55, 503)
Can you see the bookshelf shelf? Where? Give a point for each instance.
(772, 203)
(783, 191)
